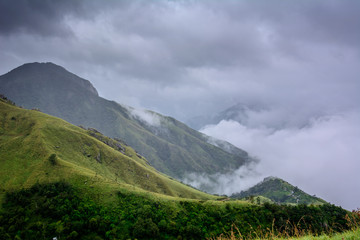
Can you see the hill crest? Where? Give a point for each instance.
(38, 148)
(279, 191)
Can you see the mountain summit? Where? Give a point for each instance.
(40, 73)
(169, 145)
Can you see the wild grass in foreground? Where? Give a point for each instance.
(293, 232)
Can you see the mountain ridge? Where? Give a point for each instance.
(171, 147)
(39, 148)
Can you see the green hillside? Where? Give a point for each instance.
(169, 145)
(278, 191)
(38, 148)
(59, 180)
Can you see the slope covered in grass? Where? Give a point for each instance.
(36, 147)
(353, 234)
(278, 191)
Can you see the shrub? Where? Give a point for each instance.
(52, 159)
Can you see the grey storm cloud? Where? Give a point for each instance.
(300, 59)
(165, 41)
(35, 16)
(204, 54)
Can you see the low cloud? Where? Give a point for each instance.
(225, 184)
(320, 157)
(146, 116)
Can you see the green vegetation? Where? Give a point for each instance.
(61, 210)
(353, 223)
(171, 147)
(353, 234)
(348, 235)
(59, 180)
(278, 191)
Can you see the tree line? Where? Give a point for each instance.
(59, 210)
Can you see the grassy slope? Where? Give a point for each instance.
(347, 235)
(176, 150)
(28, 138)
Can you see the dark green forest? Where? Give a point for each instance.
(59, 210)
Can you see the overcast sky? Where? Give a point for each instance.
(190, 58)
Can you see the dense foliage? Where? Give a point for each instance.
(46, 211)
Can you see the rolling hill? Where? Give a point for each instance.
(278, 191)
(169, 145)
(38, 148)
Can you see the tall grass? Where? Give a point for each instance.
(295, 232)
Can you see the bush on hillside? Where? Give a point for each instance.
(52, 159)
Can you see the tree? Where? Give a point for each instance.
(145, 229)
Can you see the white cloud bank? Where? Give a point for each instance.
(229, 183)
(321, 157)
(146, 116)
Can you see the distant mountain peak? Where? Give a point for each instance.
(51, 73)
(35, 66)
(239, 113)
(41, 64)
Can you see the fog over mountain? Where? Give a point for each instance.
(320, 154)
(300, 59)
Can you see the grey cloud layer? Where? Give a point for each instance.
(222, 48)
(35, 16)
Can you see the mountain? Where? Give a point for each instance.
(169, 145)
(278, 191)
(238, 112)
(260, 116)
(38, 148)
